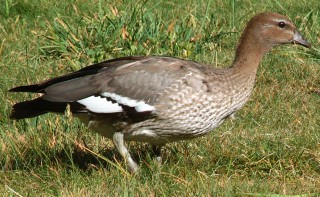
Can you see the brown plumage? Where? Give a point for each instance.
(160, 99)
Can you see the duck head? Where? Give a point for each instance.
(271, 29)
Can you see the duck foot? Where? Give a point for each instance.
(157, 151)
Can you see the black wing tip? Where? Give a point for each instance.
(39, 106)
(27, 109)
(18, 114)
(28, 88)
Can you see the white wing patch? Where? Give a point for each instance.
(99, 104)
(140, 106)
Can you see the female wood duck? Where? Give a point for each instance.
(160, 99)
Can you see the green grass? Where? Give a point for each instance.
(271, 149)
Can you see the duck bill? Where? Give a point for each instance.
(298, 39)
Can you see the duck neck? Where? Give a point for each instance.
(249, 53)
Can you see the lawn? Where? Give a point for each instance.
(272, 148)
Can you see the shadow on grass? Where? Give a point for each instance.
(85, 160)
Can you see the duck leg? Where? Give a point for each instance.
(118, 142)
(233, 116)
(157, 152)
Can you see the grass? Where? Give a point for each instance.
(271, 149)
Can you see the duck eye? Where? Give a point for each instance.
(281, 24)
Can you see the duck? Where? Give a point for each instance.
(157, 99)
